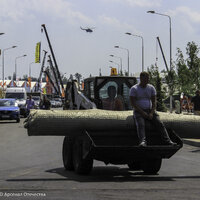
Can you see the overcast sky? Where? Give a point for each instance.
(86, 53)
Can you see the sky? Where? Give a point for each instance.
(86, 53)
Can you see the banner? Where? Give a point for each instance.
(37, 52)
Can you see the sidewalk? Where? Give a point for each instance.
(193, 142)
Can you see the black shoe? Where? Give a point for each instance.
(143, 144)
(169, 143)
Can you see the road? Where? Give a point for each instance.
(31, 168)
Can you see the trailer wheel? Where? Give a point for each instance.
(151, 166)
(67, 153)
(81, 165)
(134, 165)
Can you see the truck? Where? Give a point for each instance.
(117, 146)
(102, 137)
(83, 142)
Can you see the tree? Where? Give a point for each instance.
(25, 77)
(184, 84)
(193, 63)
(78, 77)
(156, 80)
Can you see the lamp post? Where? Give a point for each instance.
(170, 47)
(142, 47)
(16, 64)
(30, 68)
(170, 32)
(3, 62)
(128, 55)
(120, 61)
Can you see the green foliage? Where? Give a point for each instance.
(188, 70)
(156, 81)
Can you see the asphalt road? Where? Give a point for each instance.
(31, 168)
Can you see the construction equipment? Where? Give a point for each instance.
(55, 62)
(95, 92)
(108, 136)
(110, 146)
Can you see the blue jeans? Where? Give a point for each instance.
(140, 124)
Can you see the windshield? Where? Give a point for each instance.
(15, 95)
(7, 103)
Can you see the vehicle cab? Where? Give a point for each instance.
(95, 89)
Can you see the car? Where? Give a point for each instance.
(58, 102)
(20, 95)
(9, 110)
(36, 101)
(53, 103)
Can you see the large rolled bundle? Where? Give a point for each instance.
(66, 122)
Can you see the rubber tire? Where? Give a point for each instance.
(81, 166)
(134, 165)
(18, 120)
(151, 166)
(67, 153)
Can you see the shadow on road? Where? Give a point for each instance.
(105, 174)
(8, 122)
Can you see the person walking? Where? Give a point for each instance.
(143, 101)
(196, 102)
(30, 104)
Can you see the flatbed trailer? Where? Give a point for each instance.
(108, 136)
(117, 148)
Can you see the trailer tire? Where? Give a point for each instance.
(81, 165)
(151, 166)
(134, 165)
(67, 153)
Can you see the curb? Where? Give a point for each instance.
(192, 142)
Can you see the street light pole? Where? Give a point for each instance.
(128, 55)
(170, 32)
(170, 46)
(3, 62)
(16, 64)
(142, 47)
(120, 61)
(30, 69)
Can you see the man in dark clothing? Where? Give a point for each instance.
(196, 102)
(45, 103)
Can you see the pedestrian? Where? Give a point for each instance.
(30, 104)
(196, 102)
(45, 103)
(184, 103)
(143, 101)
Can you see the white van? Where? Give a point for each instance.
(20, 95)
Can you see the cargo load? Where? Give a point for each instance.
(69, 122)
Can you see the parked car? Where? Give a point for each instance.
(36, 101)
(20, 95)
(9, 110)
(53, 103)
(58, 102)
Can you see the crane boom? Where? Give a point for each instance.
(54, 59)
